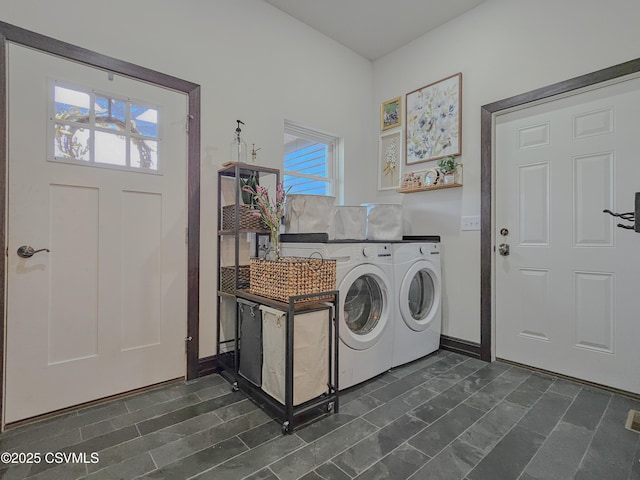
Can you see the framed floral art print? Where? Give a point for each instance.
(389, 161)
(434, 121)
(391, 114)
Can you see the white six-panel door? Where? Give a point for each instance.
(567, 297)
(104, 311)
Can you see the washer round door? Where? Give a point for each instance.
(420, 295)
(364, 306)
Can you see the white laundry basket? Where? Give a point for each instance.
(308, 213)
(349, 223)
(310, 354)
(384, 221)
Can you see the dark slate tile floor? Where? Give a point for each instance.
(444, 417)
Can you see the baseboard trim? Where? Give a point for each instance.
(208, 366)
(465, 347)
(551, 373)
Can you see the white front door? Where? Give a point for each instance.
(567, 295)
(104, 310)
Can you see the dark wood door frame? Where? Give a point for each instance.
(13, 34)
(487, 116)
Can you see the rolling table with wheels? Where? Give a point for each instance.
(275, 390)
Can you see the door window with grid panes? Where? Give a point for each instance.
(103, 130)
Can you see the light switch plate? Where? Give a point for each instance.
(470, 223)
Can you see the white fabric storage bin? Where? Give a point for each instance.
(349, 223)
(308, 213)
(310, 354)
(384, 221)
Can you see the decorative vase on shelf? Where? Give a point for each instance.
(271, 213)
(448, 167)
(449, 178)
(273, 249)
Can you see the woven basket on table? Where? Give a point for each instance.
(248, 220)
(291, 276)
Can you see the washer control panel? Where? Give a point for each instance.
(376, 250)
(430, 249)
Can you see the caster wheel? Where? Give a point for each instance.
(285, 428)
(234, 387)
(330, 407)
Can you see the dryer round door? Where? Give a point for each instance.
(420, 295)
(364, 302)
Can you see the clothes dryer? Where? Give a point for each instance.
(364, 278)
(418, 283)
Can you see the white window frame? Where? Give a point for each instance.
(332, 143)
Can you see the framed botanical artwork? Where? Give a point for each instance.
(391, 114)
(434, 121)
(389, 161)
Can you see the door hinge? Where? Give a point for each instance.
(189, 118)
(186, 235)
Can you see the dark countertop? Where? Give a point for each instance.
(324, 238)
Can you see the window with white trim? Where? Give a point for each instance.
(100, 129)
(310, 164)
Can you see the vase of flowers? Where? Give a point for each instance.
(271, 213)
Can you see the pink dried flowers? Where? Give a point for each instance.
(270, 212)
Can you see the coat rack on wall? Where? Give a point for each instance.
(633, 217)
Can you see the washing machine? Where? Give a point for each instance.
(418, 283)
(364, 278)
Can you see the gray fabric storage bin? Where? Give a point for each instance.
(250, 363)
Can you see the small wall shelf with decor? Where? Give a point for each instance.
(430, 179)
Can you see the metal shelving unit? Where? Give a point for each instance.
(232, 272)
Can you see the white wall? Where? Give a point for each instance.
(502, 48)
(253, 62)
(259, 65)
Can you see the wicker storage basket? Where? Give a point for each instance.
(228, 278)
(291, 276)
(248, 221)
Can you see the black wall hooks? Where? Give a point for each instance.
(633, 217)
